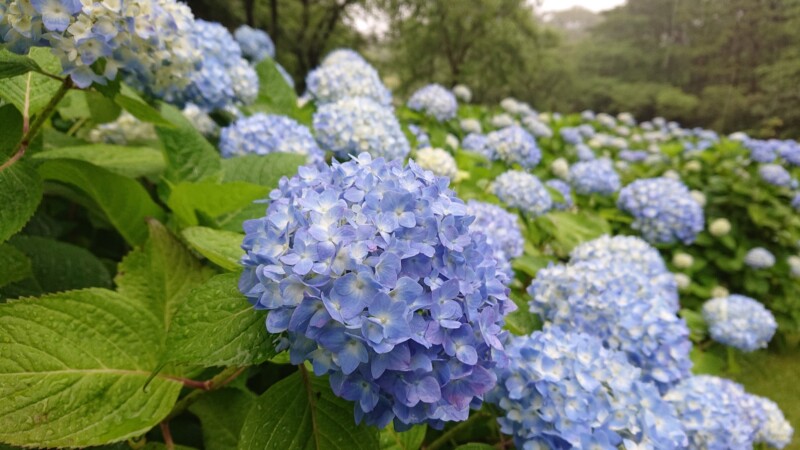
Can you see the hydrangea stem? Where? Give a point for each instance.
(30, 132)
(733, 366)
(219, 380)
(453, 432)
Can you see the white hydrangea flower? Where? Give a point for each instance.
(719, 291)
(719, 227)
(682, 260)
(560, 168)
(438, 161)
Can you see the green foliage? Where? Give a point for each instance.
(189, 156)
(132, 162)
(221, 247)
(12, 64)
(16, 266)
(37, 87)
(222, 414)
(20, 194)
(264, 170)
(274, 94)
(223, 206)
(405, 440)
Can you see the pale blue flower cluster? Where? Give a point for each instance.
(772, 428)
(225, 79)
(618, 303)
(262, 134)
(584, 152)
(347, 74)
(790, 152)
(565, 390)
(740, 322)
(514, 145)
(256, 44)
(571, 135)
(796, 202)
(354, 125)
(663, 210)
(524, 191)
(562, 187)
(502, 232)
(633, 155)
(478, 143)
(594, 177)
(369, 270)
(146, 40)
(776, 175)
(759, 258)
(761, 151)
(422, 138)
(434, 100)
(710, 409)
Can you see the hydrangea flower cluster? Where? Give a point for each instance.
(759, 258)
(471, 125)
(776, 175)
(710, 410)
(524, 191)
(478, 143)
(126, 129)
(537, 127)
(201, 120)
(370, 271)
(438, 161)
(616, 302)
(262, 134)
(514, 145)
(422, 138)
(346, 75)
(635, 252)
(663, 210)
(226, 78)
(594, 177)
(772, 429)
(740, 322)
(463, 93)
(571, 135)
(502, 231)
(354, 125)
(565, 390)
(562, 187)
(761, 151)
(144, 39)
(343, 56)
(256, 44)
(434, 100)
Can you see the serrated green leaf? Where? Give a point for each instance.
(131, 162)
(406, 440)
(42, 88)
(189, 156)
(11, 131)
(141, 110)
(263, 170)
(15, 265)
(571, 229)
(227, 205)
(217, 326)
(221, 247)
(56, 267)
(20, 194)
(222, 414)
(73, 368)
(125, 203)
(300, 412)
(274, 93)
(161, 274)
(88, 105)
(12, 64)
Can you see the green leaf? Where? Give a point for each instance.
(189, 156)
(11, 131)
(529, 264)
(20, 194)
(697, 325)
(12, 64)
(570, 229)
(125, 203)
(226, 205)
(223, 248)
(16, 266)
(707, 362)
(141, 110)
(161, 274)
(73, 368)
(264, 170)
(300, 412)
(222, 414)
(88, 105)
(131, 162)
(41, 88)
(406, 440)
(217, 326)
(274, 93)
(56, 267)
(475, 446)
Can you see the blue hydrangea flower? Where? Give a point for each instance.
(146, 40)
(343, 56)
(370, 271)
(571, 135)
(349, 77)
(524, 191)
(790, 152)
(740, 322)
(759, 258)
(594, 177)
(584, 152)
(633, 155)
(619, 304)
(256, 44)
(478, 143)
(761, 151)
(663, 210)
(796, 202)
(537, 127)
(422, 138)
(354, 125)
(636, 252)
(776, 175)
(436, 101)
(565, 390)
(772, 428)
(262, 134)
(563, 188)
(514, 145)
(502, 232)
(710, 410)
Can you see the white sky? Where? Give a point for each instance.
(594, 5)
